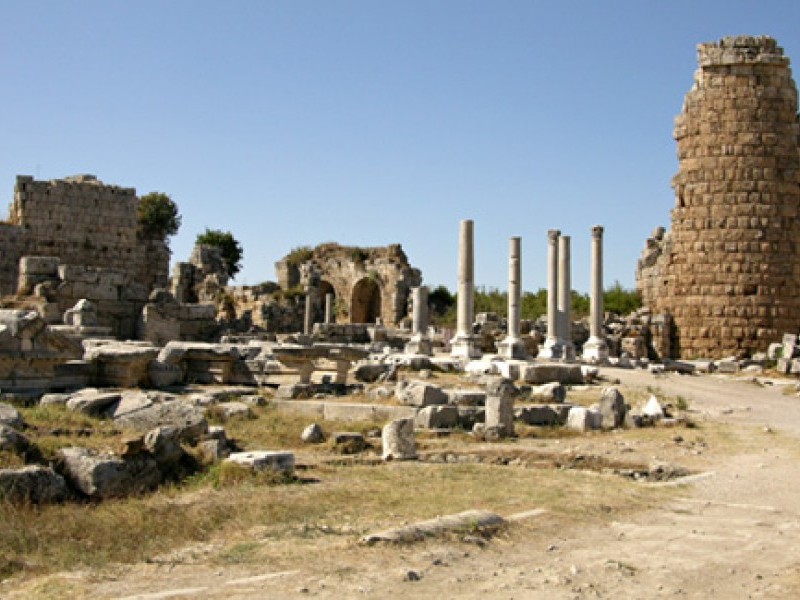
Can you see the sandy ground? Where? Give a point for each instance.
(732, 533)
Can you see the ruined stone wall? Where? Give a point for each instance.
(81, 221)
(82, 237)
(368, 283)
(728, 271)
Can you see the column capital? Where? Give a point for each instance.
(553, 235)
(597, 231)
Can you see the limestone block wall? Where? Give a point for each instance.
(728, 270)
(81, 221)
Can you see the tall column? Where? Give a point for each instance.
(419, 342)
(463, 344)
(553, 344)
(512, 346)
(308, 320)
(329, 318)
(565, 297)
(595, 349)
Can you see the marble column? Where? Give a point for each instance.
(595, 349)
(329, 317)
(565, 297)
(553, 344)
(463, 344)
(419, 342)
(513, 346)
(308, 320)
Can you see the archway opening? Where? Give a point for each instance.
(366, 302)
(326, 288)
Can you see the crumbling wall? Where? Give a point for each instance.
(368, 283)
(728, 271)
(86, 236)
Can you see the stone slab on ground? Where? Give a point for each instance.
(261, 460)
(470, 521)
(34, 483)
(539, 373)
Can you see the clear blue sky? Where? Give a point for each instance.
(372, 122)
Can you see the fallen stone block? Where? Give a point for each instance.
(164, 445)
(371, 372)
(313, 434)
(93, 402)
(612, 408)
(539, 373)
(12, 440)
(107, 476)
(10, 416)
(232, 410)
(543, 415)
(437, 417)
(728, 365)
(190, 421)
(397, 439)
(466, 397)
(32, 484)
(553, 392)
(583, 419)
(262, 460)
(418, 393)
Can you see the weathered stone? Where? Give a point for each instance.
(418, 393)
(583, 419)
(546, 415)
(10, 416)
(262, 460)
(539, 373)
(12, 440)
(230, 410)
(549, 392)
(612, 408)
(32, 484)
(370, 372)
(500, 414)
(164, 374)
(397, 439)
(294, 390)
(466, 397)
(55, 399)
(728, 366)
(189, 420)
(313, 434)
(107, 476)
(164, 445)
(93, 402)
(724, 271)
(437, 417)
(653, 408)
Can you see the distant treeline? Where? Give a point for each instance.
(615, 299)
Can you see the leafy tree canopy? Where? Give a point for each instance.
(230, 249)
(158, 215)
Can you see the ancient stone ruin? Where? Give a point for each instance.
(77, 238)
(728, 270)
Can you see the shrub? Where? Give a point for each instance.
(158, 215)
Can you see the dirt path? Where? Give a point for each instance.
(732, 534)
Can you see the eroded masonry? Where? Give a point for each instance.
(728, 270)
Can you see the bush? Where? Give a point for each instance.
(158, 215)
(619, 300)
(229, 248)
(299, 255)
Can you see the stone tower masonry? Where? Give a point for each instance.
(728, 271)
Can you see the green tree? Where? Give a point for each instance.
(229, 248)
(158, 215)
(619, 300)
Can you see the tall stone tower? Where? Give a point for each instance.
(728, 271)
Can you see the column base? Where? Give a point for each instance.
(595, 350)
(463, 346)
(553, 349)
(419, 344)
(512, 348)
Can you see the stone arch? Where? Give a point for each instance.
(365, 303)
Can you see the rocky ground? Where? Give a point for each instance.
(731, 531)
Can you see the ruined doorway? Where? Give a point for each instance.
(325, 288)
(366, 302)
